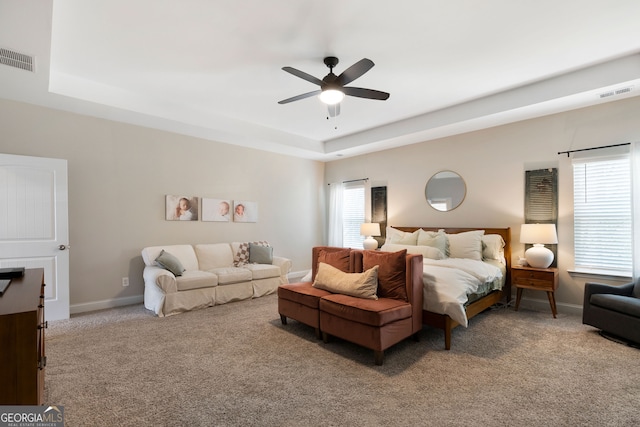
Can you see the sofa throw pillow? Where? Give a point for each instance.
(241, 257)
(170, 262)
(391, 273)
(339, 259)
(360, 285)
(259, 254)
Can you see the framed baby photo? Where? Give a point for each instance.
(218, 210)
(181, 208)
(244, 211)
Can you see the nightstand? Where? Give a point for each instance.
(541, 279)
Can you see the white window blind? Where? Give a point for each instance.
(352, 215)
(602, 214)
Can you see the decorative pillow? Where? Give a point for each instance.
(259, 254)
(242, 256)
(170, 262)
(426, 251)
(466, 245)
(391, 272)
(437, 239)
(492, 247)
(338, 258)
(401, 237)
(361, 285)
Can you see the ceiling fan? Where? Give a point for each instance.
(332, 88)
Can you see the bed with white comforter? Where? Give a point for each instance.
(465, 270)
(449, 283)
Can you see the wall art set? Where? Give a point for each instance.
(187, 208)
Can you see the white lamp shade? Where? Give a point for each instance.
(539, 234)
(370, 229)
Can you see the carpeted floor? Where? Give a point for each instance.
(236, 365)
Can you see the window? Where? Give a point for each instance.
(352, 215)
(602, 215)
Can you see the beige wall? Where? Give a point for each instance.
(493, 163)
(118, 178)
(119, 175)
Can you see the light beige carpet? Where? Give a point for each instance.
(236, 365)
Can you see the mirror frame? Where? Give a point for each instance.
(453, 200)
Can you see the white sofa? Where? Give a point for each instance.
(210, 277)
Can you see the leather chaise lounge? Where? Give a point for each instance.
(376, 324)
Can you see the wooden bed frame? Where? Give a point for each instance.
(443, 321)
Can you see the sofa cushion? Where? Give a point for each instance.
(263, 271)
(303, 293)
(170, 262)
(214, 255)
(195, 279)
(337, 258)
(361, 285)
(369, 312)
(259, 254)
(619, 303)
(184, 253)
(230, 275)
(240, 251)
(391, 274)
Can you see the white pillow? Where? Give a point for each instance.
(401, 237)
(492, 247)
(437, 239)
(466, 245)
(426, 251)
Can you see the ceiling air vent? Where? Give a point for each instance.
(16, 59)
(614, 92)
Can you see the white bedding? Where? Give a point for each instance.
(447, 283)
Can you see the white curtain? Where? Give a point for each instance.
(335, 214)
(635, 207)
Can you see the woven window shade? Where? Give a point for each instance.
(541, 201)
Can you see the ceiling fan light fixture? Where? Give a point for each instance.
(331, 96)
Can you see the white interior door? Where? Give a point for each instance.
(34, 230)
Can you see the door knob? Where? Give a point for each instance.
(63, 247)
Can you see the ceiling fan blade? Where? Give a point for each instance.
(334, 110)
(365, 93)
(303, 75)
(298, 97)
(355, 71)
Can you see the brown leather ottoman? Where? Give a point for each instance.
(300, 301)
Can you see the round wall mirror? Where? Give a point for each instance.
(445, 191)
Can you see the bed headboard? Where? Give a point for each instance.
(504, 232)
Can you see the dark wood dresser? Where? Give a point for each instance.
(22, 355)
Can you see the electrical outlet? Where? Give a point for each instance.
(125, 281)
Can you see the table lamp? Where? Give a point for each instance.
(370, 229)
(538, 234)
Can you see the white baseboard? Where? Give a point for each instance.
(543, 305)
(101, 305)
(295, 276)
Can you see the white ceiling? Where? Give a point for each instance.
(212, 68)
